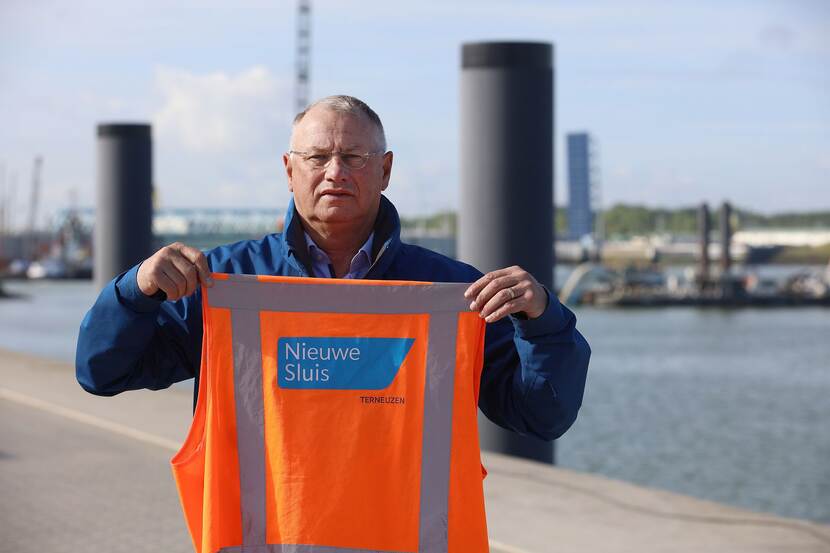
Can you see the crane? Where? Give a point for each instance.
(33, 203)
(303, 54)
(3, 201)
(35, 199)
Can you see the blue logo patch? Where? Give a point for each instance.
(328, 363)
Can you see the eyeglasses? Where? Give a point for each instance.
(321, 160)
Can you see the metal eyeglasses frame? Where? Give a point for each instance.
(327, 157)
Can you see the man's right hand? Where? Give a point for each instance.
(177, 270)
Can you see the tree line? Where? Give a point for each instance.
(627, 220)
(624, 220)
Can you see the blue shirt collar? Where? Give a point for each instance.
(321, 263)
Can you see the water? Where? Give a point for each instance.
(46, 318)
(732, 406)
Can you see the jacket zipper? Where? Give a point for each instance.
(375, 262)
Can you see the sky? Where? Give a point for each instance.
(686, 101)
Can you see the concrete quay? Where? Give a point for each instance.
(82, 473)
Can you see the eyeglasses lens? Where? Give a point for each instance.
(322, 160)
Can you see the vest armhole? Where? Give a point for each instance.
(195, 435)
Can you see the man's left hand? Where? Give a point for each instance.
(507, 291)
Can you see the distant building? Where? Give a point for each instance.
(199, 227)
(580, 213)
(759, 238)
(209, 227)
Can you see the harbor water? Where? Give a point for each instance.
(727, 405)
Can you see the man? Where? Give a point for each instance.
(145, 329)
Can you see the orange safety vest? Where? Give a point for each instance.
(335, 416)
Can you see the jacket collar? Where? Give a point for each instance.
(385, 246)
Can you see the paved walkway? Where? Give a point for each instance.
(80, 473)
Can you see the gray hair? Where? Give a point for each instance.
(351, 105)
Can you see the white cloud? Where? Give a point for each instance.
(219, 137)
(221, 112)
(419, 186)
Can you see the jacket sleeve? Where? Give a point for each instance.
(534, 372)
(129, 341)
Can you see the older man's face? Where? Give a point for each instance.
(336, 193)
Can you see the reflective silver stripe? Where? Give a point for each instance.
(250, 426)
(289, 548)
(437, 433)
(246, 292)
(247, 296)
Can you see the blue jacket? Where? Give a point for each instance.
(534, 370)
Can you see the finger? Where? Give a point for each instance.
(176, 277)
(494, 287)
(513, 306)
(515, 297)
(497, 309)
(187, 270)
(167, 285)
(478, 285)
(195, 256)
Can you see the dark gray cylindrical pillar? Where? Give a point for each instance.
(704, 227)
(124, 209)
(506, 215)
